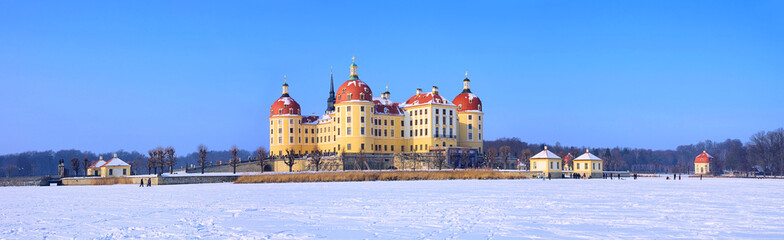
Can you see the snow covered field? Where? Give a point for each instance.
(648, 208)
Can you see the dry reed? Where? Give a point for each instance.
(356, 176)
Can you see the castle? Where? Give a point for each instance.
(357, 122)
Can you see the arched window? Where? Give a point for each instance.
(280, 110)
(460, 107)
(361, 96)
(349, 96)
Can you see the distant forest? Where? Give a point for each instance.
(763, 152)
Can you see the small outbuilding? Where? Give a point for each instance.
(702, 163)
(547, 163)
(115, 167)
(588, 164)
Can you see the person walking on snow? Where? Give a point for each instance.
(149, 182)
(142, 183)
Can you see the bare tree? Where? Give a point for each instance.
(490, 155)
(439, 160)
(86, 164)
(171, 159)
(151, 162)
(289, 159)
(525, 155)
(465, 157)
(505, 151)
(261, 155)
(202, 156)
(75, 165)
(159, 159)
(315, 159)
(234, 160)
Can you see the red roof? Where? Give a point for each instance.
(467, 102)
(310, 119)
(426, 98)
(703, 158)
(356, 89)
(391, 109)
(284, 106)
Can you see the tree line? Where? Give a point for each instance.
(763, 153)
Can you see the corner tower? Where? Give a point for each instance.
(285, 119)
(469, 116)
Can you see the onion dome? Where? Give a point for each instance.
(354, 89)
(467, 101)
(285, 105)
(426, 98)
(587, 156)
(545, 154)
(704, 157)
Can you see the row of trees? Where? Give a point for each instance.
(764, 152)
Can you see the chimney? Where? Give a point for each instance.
(419, 91)
(435, 90)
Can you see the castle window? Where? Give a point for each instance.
(280, 110)
(348, 131)
(361, 108)
(480, 136)
(469, 117)
(362, 146)
(348, 146)
(436, 110)
(362, 131)
(291, 139)
(349, 96)
(362, 96)
(291, 111)
(460, 107)
(291, 130)
(348, 109)
(348, 119)
(280, 140)
(402, 123)
(344, 90)
(480, 107)
(280, 130)
(480, 118)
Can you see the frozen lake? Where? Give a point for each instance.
(647, 208)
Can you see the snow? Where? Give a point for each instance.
(647, 208)
(588, 156)
(116, 162)
(471, 96)
(545, 154)
(285, 100)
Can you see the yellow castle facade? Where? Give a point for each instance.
(356, 121)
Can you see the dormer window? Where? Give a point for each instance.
(344, 90)
(280, 110)
(470, 100)
(361, 96)
(460, 107)
(338, 97)
(291, 111)
(480, 107)
(349, 96)
(367, 90)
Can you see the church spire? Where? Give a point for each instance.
(331, 98)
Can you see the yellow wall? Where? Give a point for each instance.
(594, 168)
(373, 133)
(471, 130)
(551, 166)
(701, 168)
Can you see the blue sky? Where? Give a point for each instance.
(133, 75)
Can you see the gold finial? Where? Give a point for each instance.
(284, 78)
(352, 59)
(466, 74)
(545, 147)
(330, 69)
(386, 88)
(115, 155)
